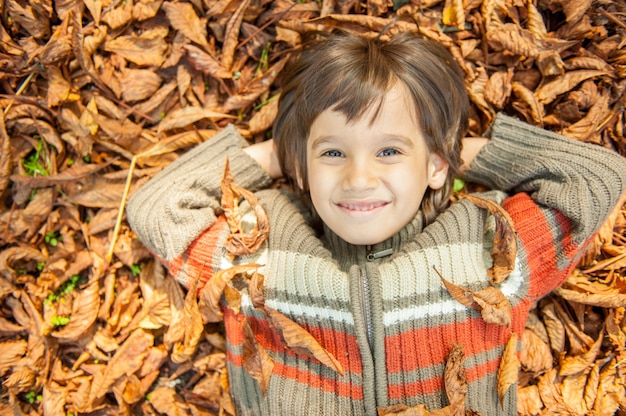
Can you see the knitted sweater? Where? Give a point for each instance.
(389, 321)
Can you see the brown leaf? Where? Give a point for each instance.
(6, 166)
(494, 307)
(548, 92)
(212, 292)
(192, 322)
(231, 35)
(264, 119)
(186, 116)
(299, 340)
(240, 242)
(573, 365)
(128, 359)
(119, 16)
(205, 63)
(139, 84)
(535, 356)
(76, 172)
(504, 248)
(156, 311)
(11, 352)
(256, 360)
(528, 400)
(58, 87)
(255, 88)
(508, 368)
(610, 390)
(498, 88)
(165, 400)
(183, 18)
(527, 97)
(84, 313)
(454, 378)
(607, 300)
(147, 49)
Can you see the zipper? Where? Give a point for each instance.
(366, 307)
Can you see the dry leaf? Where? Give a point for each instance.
(256, 360)
(508, 368)
(299, 340)
(192, 322)
(183, 18)
(239, 241)
(494, 307)
(504, 248)
(212, 292)
(577, 364)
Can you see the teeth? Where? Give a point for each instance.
(361, 207)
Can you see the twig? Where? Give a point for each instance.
(120, 213)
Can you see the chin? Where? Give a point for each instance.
(363, 241)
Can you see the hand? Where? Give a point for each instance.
(471, 148)
(265, 155)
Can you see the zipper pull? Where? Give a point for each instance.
(383, 253)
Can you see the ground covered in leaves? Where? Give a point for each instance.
(97, 96)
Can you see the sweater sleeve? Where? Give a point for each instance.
(181, 202)
(580, 180)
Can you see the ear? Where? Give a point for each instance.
(437, 171)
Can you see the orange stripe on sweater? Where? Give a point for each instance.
(271, 342)
(535, 234)
(199, 256)
(342, 346)
(436, 384)
(427, 346)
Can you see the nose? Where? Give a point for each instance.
(360, 176)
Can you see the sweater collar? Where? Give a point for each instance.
(347, 254)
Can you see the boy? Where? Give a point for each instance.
(369, 133)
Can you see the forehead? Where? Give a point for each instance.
(393, 111)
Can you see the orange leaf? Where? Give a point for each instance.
(299, 340)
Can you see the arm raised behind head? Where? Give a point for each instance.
(183, 200)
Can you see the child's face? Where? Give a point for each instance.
(367, 179)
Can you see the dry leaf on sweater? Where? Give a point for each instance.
(454, 379)
(505, 243)
(239, 241)
(256, 360)
(299, 340)
(494, 307)
(212, 292)
(509, 367)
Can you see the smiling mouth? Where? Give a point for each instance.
(361, 206)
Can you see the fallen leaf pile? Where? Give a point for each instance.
(97, 96)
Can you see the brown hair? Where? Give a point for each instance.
(349, 73)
